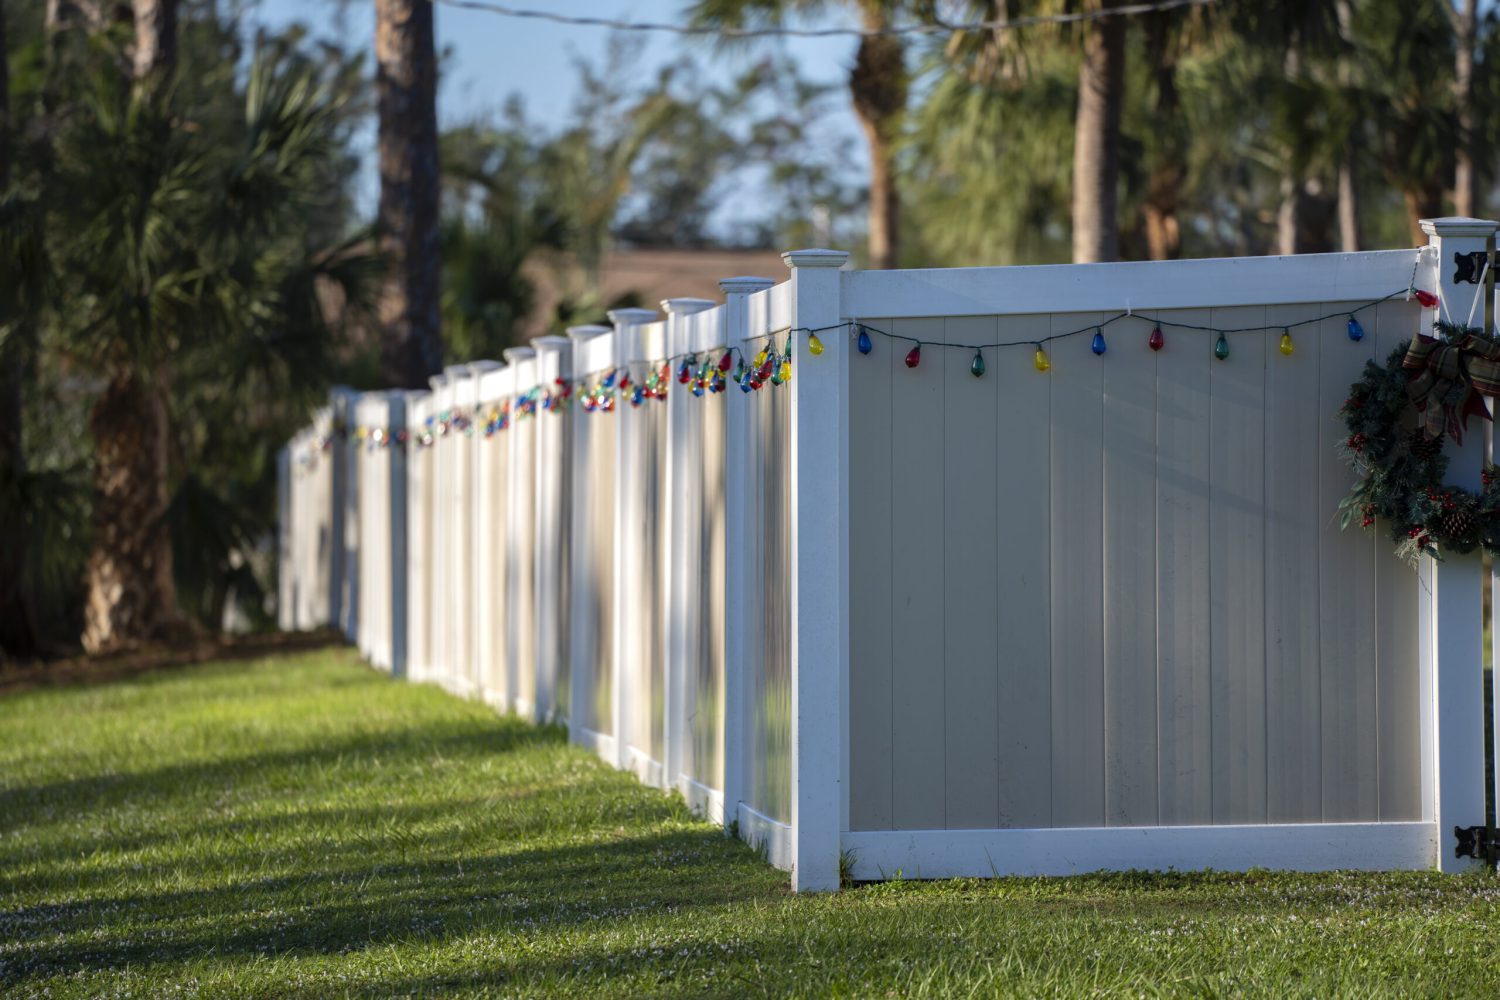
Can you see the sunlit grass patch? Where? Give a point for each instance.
(306, 827)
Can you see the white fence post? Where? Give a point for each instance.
(739, 567)
(819, 585)
(550, 547)
(679, 525)
(627, 323)
(285, 620)
(520, 578)
(343, 597)
(578, 486)
(396, 539)
(1457, 583)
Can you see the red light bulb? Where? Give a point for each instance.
(1156, 340)
(1427, 299)
(914, 356)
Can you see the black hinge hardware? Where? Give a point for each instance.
(1476, 842)
(1469, 266)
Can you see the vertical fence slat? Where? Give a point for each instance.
(1184, 443)
(1022, 551)
(1293, 745)
(971, 584)
(1398, 698)
(871, 470)
(919, 775)
(1130, 684)
(1077, 594)
(1237, 496)
(738, 540)
(1346, 596)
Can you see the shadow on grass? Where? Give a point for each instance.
(354, 907)
(24, 804)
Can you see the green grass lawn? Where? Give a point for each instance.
(304, 827)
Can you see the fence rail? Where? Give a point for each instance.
(889, 613)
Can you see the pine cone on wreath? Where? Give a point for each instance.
(1425, 447)
(1457, 523)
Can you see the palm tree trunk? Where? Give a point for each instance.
(1348, 193)
(878, 85)
(155, 38)
(1349, 240)
(1421, 203)
(1465, 182)
(1096, 145)
(131, 595)
(406, 88)
(1169, 166)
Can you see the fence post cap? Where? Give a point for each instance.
(1459, 226)
(586, 331)
(437, 381)
(512, 355)
(744, 285)
(815, 258)
(686, 307)
(455, 372)
(549, 342)
(632, 317)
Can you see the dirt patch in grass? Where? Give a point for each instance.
(157, 656)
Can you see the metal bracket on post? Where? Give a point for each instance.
(1478, 842)
(1469, 266)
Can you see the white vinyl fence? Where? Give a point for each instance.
(1034, 597)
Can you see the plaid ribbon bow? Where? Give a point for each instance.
(1451, 378)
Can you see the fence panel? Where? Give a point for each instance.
(639, 542)
(419, 540)
(591, 650)
(520, 532)
(553, 471)
(997, 583)
(1185, 637)
(491, 476)
(699, 594)
(767, 684)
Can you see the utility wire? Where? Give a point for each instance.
(935, 28)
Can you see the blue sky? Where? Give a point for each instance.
(490, 57)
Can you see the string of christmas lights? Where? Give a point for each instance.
(708, 372)
(861, 333)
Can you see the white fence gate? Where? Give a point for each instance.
(993, 581)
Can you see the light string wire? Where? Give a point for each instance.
(855, 326)
(933, 28)
(582, 381)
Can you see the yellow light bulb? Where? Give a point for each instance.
(786, 371)
(814, 345)
(1041, 361)
(1286, 344)
(760, 358)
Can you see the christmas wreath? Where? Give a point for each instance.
(1397, 415)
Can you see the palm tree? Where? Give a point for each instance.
(406, 89)
(878, 85)
(180, 247)
(1464, 15)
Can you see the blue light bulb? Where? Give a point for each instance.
(1099, 346)
(863, 343)
(1356, 332)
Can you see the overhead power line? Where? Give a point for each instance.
(934, 28)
